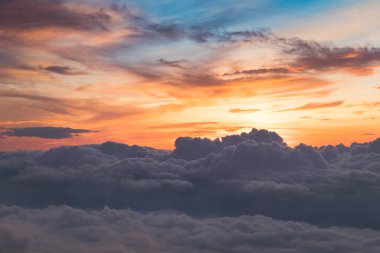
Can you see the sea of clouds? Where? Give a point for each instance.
(241, 193)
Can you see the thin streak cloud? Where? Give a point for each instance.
(312, 106)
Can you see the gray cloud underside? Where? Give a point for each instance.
(67, 230)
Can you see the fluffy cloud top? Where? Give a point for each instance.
(277, 198)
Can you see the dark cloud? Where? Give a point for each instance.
(248, 174)
(174, 64)
(374, 146)
(241, 193)
(311, 56)
(146, 29)
(247, 35)
(203, 34)
(125, 151)
(45, 132)
(259, 71)
(193, 148)
(315, 56)
(62, 70)
(12, 240)
(302, 56)
(21, 15)
(169, 31)
(64, 229)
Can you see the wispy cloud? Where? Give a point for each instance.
(62, 70)
(259, 71)
(312, 106)
(45, 132)
(26, 15)
(249, 110)
(174, 64)
(311, 55)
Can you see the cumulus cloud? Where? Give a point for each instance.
(252, 173)
(12, 240)
(45, 132)
(240, 193)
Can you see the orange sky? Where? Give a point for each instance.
(143, 77)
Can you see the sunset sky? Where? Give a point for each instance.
(144, 72)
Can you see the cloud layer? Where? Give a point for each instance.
(64, 229)
(253, 173)
(241, 193)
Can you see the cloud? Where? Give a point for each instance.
(45, 132)
(241, 193)
(248, 174)
(197, 79)
(125, 151)
(146, 29)
(62, 70)
(312, 106)
(23, 15)
(107, 230)
(174, 64)
(238, 110)
(42, 106)
(259, 71)
(315, 56)
(12, 240)
(193, 148)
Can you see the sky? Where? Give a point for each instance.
(189, 126)
(144, 72)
